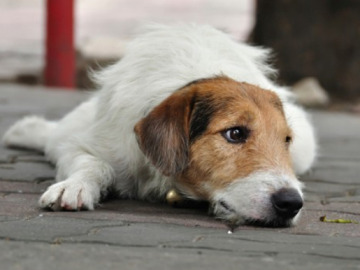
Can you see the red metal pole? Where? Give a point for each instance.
(60, 51)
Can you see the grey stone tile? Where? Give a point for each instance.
(91, 256)
(26, 171)
(50, 228)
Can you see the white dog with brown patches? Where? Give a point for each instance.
(187, 108)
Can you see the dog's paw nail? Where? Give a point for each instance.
(50, 205)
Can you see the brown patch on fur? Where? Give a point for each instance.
(163, 134)
(205, 161)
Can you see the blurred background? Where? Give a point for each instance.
(316, 44)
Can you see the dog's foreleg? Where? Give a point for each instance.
(86, 178)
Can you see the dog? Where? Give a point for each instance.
(186, 108)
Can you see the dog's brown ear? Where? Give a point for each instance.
(163, 135)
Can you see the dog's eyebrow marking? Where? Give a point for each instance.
(203, 109)
(247, 117)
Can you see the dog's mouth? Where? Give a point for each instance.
(223, 211)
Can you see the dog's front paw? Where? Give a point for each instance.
(70, 195)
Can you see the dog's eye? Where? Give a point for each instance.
(288, 139)
(236, 134)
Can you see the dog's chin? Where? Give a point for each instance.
(277, 222)
(261, 223)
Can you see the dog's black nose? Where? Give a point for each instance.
(287, 202)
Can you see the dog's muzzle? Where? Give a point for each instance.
(279, 209)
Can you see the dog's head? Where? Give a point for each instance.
(228, 143)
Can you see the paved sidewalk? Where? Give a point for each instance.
(138, 235)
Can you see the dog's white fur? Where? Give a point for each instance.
(94, 146)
